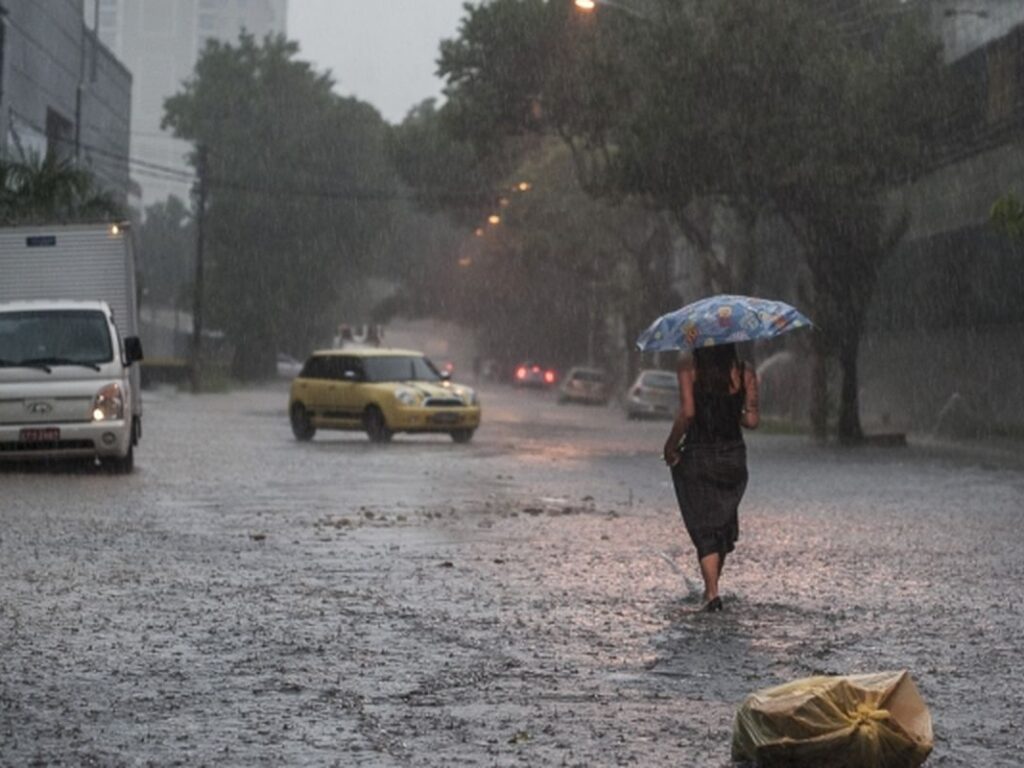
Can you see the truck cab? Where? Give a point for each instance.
(66, 383)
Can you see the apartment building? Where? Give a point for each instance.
(62, 91)
(160, 41)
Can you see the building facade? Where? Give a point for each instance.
(63, 92)
(949, 309)
(160, 41)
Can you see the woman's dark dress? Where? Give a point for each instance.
(711, 475)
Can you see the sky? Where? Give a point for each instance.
(382, 51)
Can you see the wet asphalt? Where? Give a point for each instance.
(527, 599)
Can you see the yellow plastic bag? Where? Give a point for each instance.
(851, 721)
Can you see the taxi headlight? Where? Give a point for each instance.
(406, 396)
(469, 396)
(108, 404)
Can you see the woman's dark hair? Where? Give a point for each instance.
(714, 368)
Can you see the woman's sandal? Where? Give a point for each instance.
(713, 605)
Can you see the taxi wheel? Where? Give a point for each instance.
(301, 427)
(375, 425)
(462, 435)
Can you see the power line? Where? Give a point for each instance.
(184, 175)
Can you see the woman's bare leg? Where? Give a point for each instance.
(710, 566)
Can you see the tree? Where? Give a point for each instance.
(166, 245)
(446, 173)
(764, 107)
(1007, 216)
(50, 190)
(881, 90)
(300, 195)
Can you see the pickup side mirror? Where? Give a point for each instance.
(132, 349)
(446, 375)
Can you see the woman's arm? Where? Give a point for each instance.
(751, 415)
(684, 417)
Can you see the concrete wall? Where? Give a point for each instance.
(106, 116)
(63, 91)
(966, 381)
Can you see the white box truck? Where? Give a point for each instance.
(69, 385)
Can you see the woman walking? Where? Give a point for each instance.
(707, 455)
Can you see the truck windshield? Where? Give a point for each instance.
(54, 337)
(400, 368)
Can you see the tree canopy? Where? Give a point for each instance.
(300, 195)
(790, 109)
(44, 190)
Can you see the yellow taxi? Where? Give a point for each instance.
(379, 391)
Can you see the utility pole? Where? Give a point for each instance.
(197, 293)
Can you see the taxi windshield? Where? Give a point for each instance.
(400, 368)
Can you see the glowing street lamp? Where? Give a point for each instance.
(524, 186)
(494, 218)
(589, 6)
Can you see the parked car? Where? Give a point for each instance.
(381, 392)
(530, 374)
(584, 385)
(654, 394)
(287, 366)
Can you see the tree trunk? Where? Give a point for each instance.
(819, 389)
(849, 429)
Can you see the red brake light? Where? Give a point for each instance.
(520, 373)
(536, 368)
(549, 377)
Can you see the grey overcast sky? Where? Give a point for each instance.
(382, 51)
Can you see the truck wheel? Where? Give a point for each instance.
(301, 427)
(123, 465)
(462, 435)
(375, 425)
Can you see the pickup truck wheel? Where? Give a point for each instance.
(462, 435)
(375, 425)
(301, 427)
(123, 465)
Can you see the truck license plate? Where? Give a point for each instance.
(40, 435)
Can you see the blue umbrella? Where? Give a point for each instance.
(722, 319)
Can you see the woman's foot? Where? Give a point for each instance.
(712, 605)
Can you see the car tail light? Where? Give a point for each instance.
(549, 377)
(536, 369)
(520, 373)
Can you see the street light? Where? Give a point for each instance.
(589, 6)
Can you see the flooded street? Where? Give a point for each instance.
(527, 599)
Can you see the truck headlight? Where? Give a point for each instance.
(406, 396)
(108, 404)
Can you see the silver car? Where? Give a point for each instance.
(654, 394)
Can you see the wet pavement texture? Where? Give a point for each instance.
(527, 599)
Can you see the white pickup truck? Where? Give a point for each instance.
(69, 386)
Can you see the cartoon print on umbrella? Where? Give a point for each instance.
(722, 319)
